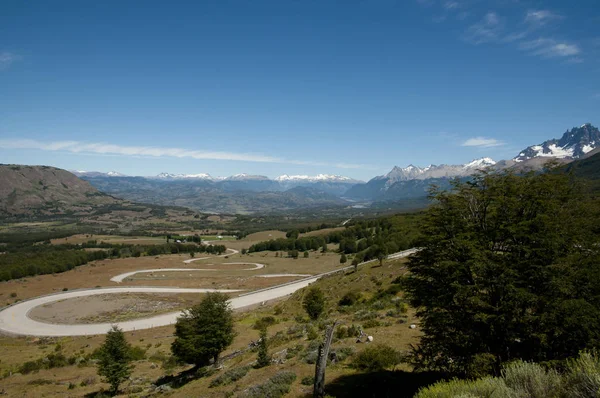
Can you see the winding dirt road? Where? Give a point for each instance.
(15, 319)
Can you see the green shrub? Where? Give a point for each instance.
(341, 332)
(582, 376)
(276, 387)
(137, 353)
(531, 380)
(314, 303)
(371, 323)
(349, 299)
(343, 353)
(293, 351)
(40, 382)
(486, 387)
(308, 381)
(354, 331)
(229, 376)
(364, 315)
(312, 333)
(376, 358)
(264, 322)
(311, 357)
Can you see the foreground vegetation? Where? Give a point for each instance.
(519, 379)
(510, 266)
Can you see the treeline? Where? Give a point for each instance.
(300, 244)
(366, 239)
(294, 233)
(51, 259)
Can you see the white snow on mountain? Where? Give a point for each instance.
(169, 176)
(83, 173)
(317, 178)
(245, 177)
(479, 163)
(412, 172)
(115, 174)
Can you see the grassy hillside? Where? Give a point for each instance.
(44, 190)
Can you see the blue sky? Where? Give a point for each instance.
(291, 87)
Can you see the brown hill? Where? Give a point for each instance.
(46, 191)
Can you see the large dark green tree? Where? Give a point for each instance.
(204, 331)
(114, 359)
(509, 269)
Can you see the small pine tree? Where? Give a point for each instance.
(263, 350)
(192, 254)
(114, 359)
(314, 303)
(324, 249)
(343, 259)
(305, 254)
(244, 251)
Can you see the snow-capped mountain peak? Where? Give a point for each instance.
(317, 178)
(412, 172)
(572, 145)
(480, 163)
(245, 177)
(92, 174)
(169, 176)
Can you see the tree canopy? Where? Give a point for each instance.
(509, 269)
(204, 331)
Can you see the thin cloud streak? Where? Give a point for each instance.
(482, 142)
(137, 151)
(538, 18)
(550, 48)
(7, 59)
(487, 30)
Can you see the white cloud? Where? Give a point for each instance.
(538, 18)
(482, 142)
(121, 150)
(450, 5)
(7, 59)
(486, 30)
(550, 48)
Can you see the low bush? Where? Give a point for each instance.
(229, 376)
(40, 382)
(349, 299)
(371, 323)
(264, 322)
(51, 361)
(579, 379)
(276, 387)
(364, 315)
(308, 381)
(343, 353)
(311, 357)
(376, 357)
(137, 353)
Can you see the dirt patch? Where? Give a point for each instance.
(112, 307)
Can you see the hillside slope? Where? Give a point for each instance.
(44, 190)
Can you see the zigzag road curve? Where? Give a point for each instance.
(15, 319)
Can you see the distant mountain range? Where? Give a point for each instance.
(246, 193)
